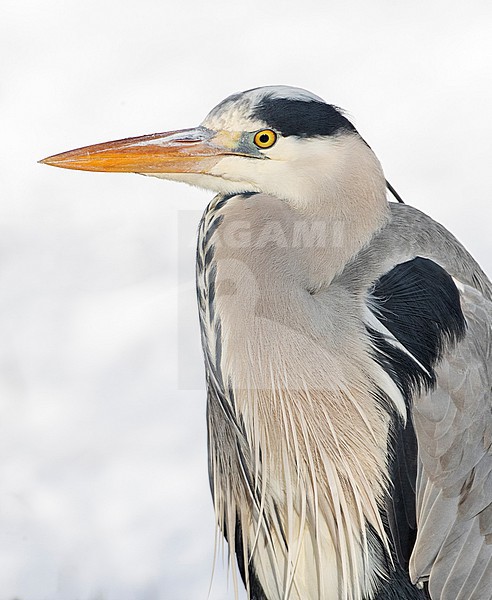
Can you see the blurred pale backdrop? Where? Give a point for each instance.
(103, 482)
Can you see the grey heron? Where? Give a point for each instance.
(348, 353)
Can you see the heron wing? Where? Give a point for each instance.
(442, 460)
(453, 425)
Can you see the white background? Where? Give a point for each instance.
(103, 472)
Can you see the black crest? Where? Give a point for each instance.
(302, 118)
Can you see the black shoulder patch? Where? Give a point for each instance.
(419, 303)
(302, 118)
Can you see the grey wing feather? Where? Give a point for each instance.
(453, 549)
(453, 424)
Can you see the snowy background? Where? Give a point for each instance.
(103, 483)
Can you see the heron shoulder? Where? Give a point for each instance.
(426, 291)
(410, 233)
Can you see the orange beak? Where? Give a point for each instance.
(186, 151)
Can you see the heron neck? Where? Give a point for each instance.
(266, 332)
(278, 245)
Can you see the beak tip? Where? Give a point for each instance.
(49, 160)
(60, 160)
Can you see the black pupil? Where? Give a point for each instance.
(264, 138)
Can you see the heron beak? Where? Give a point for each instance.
(186, 151)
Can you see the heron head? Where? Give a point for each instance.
(278, 140)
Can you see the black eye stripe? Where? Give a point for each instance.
(302, 118)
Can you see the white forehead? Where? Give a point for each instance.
(235, 112)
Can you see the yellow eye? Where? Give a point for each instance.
(265, 138)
